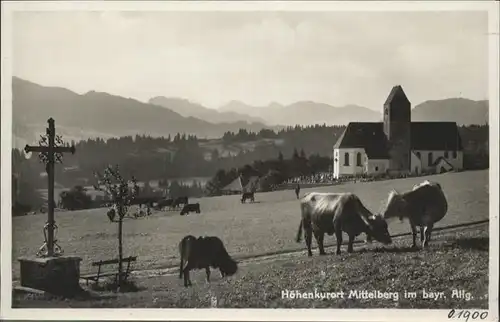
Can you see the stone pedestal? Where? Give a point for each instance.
(56, 275)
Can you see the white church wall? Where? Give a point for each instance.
(454, 159)
(377, 166)
(341, 168)
(415, 163)
(443, 166)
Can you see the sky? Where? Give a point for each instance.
(337, 58)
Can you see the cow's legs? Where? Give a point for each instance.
(427, 235)
(320, 236)
(338, 234)
(308, 235)
(207, 271)
(187, 280)
(351, 241)
(414, 234)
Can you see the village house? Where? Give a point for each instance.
(397, 145)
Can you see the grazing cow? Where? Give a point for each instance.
(203, 252)
(164, 203)
(297, 190)
(191, 207)
(147, 201)
(337, 212)
(248, 195)
(424, 205)
(180, 201)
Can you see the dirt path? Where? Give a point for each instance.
(288, 254)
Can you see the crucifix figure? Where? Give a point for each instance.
(50, 151)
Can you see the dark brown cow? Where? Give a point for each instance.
(248, 195)
(192, 207)
(424, 205)
(336, 213)
(148, 201)
(203, 252)
(164, 203)
(180, 201)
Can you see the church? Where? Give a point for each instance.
(397, 145)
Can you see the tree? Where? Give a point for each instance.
(24, 196)
(215, 155)
(280, 157)
(302, 154)
(74, 199)
(147, 190)
(175, 189)
(121, 196)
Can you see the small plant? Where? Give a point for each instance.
(112, 285)
(121, 193)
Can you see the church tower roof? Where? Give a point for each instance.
(396, 93)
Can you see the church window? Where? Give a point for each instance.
(346, 159)
(446, 154)
(454, 154)
(358, 160)
(376, 168)
(429, 158)
(418, 155)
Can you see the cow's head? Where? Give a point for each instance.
(379, 229)
(229, 267)
(395, 207)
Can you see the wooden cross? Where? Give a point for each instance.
(49, 154)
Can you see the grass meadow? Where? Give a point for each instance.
(457, 258)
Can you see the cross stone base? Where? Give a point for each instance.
(55, 275)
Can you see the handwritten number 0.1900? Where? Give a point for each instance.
(466, 314)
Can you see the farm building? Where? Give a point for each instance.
(252, 184)
(397, 145)
(241, 184)
(234, 187)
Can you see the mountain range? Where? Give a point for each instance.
(306, 113)
(460, 110)
(101, 114)
(187, 108)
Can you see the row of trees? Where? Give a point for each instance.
(150, 158)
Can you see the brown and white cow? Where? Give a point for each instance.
(336, 213)
(424, 205)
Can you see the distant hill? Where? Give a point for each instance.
(460, 110)
(101, 114)
(306, 113)
(187, 108)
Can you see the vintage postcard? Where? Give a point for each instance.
(267, 161)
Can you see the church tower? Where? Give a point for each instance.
(397, 124)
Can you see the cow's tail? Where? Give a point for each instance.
(182, 246)
(299, 233)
